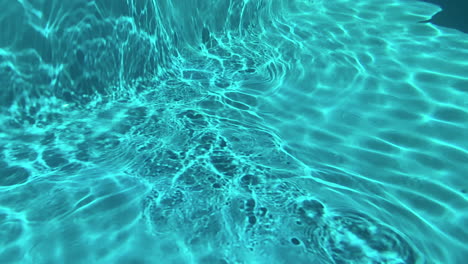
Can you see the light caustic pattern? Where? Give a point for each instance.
(196, 131)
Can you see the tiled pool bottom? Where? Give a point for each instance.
(234, 132)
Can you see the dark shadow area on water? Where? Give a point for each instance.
(454, 14)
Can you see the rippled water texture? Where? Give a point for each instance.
(229, 131)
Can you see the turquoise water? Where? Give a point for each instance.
(229, 131)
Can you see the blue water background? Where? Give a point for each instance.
(229, 131)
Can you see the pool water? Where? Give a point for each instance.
(232, 131)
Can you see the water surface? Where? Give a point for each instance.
(228, 131)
